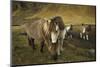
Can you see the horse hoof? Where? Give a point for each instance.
(41, 51)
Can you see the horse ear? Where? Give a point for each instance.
(49, 20)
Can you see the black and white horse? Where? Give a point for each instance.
(85, 30)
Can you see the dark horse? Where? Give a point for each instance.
(49, 32)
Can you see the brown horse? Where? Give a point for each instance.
(49, 32)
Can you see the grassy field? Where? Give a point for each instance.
(75, 50)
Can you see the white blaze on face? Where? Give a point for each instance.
(57, 27)
(54, 35)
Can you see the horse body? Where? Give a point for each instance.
(46, 32)
(37, 30)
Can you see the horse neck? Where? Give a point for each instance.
(46, 27)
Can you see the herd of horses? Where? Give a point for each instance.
(51, 33)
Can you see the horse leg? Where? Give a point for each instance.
(87, 37)
(58, 49)
(32, 41)
(55, 55)
(80, 35)
(71, 36)
(29, 41)
(68, 36)
(84, 36)
(42, 46)
(61, 47)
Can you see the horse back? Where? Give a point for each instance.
(33, 29)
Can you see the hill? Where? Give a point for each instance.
(73, 14)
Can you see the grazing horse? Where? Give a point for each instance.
(49, 32)
(85, 32)
(69, 29)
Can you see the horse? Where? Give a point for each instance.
(84, 34)
(49, 32)
(69, 29)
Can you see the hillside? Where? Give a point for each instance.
(73, 14)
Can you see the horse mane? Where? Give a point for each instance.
(58, 20)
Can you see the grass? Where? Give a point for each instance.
(23, 54)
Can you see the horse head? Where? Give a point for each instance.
(56, 25)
